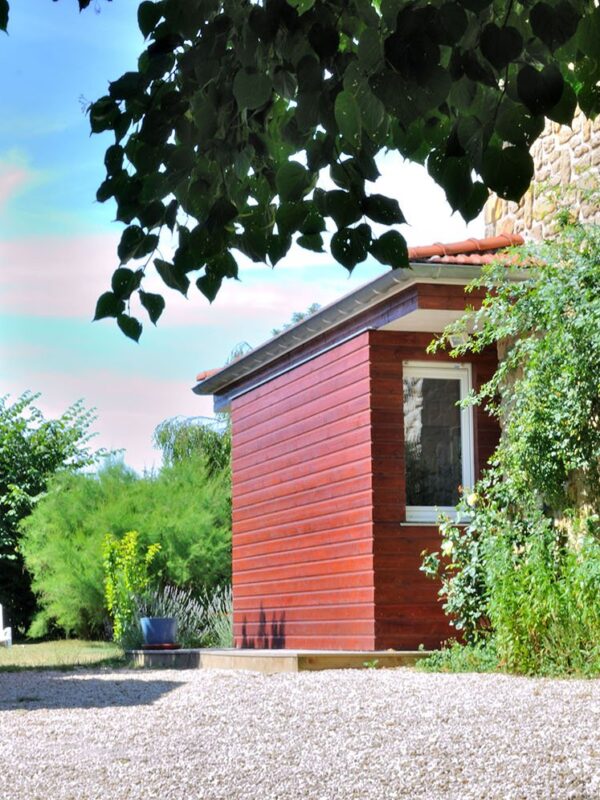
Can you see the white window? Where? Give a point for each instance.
(438, 438)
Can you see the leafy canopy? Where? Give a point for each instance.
(239, 116)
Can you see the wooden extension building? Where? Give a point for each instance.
(347, 442)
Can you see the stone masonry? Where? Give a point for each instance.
(567, 177)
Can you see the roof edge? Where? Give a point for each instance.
(423, 265)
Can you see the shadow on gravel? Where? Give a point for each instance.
(67, 691)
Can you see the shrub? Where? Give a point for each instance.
(202, 621)
(527, 564)
(183, 509)
(126, 576)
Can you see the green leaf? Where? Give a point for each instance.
(251, 90)
(131, 243)
(564, 111)
(453, 20)
(148, 15)
(225, 265)
(172, 277)
(390, 249)
(3, 15)
(475, 202)
(311, 241)
(278, 246)
(153, 303)
(382, 209)
(540, 91)
(372, 110)
(349, 246)
(209, 284)
(302, 6)
(103, 114)
(313, 222)
(554, 25)
(124, 281)
(501, 46)
(516, 125)
(108, 305)
(290, 216)
(324, 40)
(343, 207)
(221, 214)
(347, 116)
(105, 190)
(113, 159)
(370, 51)
(126, 87)
(588, 33)
(507, 171)
(293, 181)
(131, 327)
(284, 83)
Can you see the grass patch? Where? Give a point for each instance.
(457, 657)
(65, 654)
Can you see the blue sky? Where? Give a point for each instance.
(58, 245)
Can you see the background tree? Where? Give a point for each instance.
(236, 112)
(297, 317)
(185, 507)
(32, 449)
(182, 438)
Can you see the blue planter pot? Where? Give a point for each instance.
(159, 630)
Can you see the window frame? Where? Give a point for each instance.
(441, 370)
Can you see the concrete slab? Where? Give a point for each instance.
(272, 661)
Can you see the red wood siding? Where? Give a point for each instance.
(407, 609)
(302, 500)
(322, 556)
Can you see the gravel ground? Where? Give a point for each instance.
(220, 735)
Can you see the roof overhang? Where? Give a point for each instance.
(343, 310)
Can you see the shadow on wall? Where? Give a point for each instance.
(269, 636)
(53, 690)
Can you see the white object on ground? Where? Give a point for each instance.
(5, 633)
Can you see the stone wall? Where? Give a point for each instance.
(567, 176)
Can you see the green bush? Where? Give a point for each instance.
(544, 602)
(525, 570)
(181, 508)
(126, 575)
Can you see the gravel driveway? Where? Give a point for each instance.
(331, 735)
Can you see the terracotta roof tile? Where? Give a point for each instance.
(469, 251)
(208, 373)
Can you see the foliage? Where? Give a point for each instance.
(32, 449)
(182, 508)
(549, 381)
(220, 618)
(184, 438)
(202, 619)
(126, 575)
(544, 601)
(225, 129)
(455, 657)
(527, 564)
(461, 569)
(297, 316)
